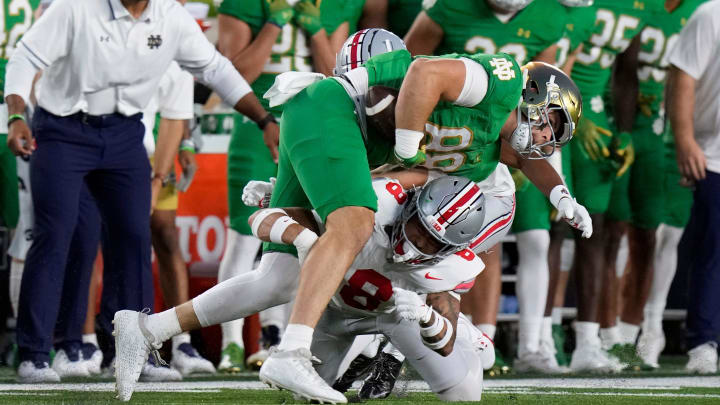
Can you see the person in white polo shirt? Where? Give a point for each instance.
(694, 109)
(101, 67)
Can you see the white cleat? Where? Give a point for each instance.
(539, 362)
(70, 365)
(93, 357)
(36, 372)
(188, 361)
(293, 370)
(703, 359)
(154, 373)
(593, 359)
(256, 360)
(482, 344)
(649, 347)
(133, 343)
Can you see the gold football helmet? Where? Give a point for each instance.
(547, 89)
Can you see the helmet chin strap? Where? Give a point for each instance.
(403, 252)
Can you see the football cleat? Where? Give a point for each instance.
(270, 338)
(69, 363)
(93, 357)
(381, 381)
(703, 359)
(152, 372)
(293, 370)
(188, 361)
(499, 366)
(538, 362)
(650, 345)
(31, 372)
(358, 368)
(627, 354)
(558, 334)
(255, 361)
(133, 343)
(232, 359)
(592, 358)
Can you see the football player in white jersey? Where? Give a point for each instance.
(437, 262)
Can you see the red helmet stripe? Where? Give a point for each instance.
(355, 48)
(454, 209)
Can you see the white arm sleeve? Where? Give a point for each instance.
(476, 84)
(199, 57)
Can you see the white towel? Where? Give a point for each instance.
(288, 84)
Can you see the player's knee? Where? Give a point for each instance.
(353, 225)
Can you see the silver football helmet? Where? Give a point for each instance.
(363, 45)
(450, 208)
(576, 3)
(510, 5)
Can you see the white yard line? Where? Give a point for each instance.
(518, 386)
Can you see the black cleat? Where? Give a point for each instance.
(384, 374)
(359, 368)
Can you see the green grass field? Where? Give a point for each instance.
(671, 385)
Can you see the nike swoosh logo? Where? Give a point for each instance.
(429, 277)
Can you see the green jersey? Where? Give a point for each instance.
(401, 14)
(610, 26)
(463, 141)
(574, 33)
(291, 51)
(16, 16)
(658, 37)
(470, 26)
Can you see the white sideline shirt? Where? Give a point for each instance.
(173, 100)
(697, 53)
(97, 58)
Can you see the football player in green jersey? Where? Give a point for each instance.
(394, 15)
(264, 38)
(527, 30)
(600, 155)
(332, 174)
(17, 17)
(654, 185)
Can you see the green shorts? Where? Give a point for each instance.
(9, 204)
(638, 196)
(678, 199)
(248, 159)
(532, 210)
(592, 180)
(323, 161)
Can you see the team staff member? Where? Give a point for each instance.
(88, 128)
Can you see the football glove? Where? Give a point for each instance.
(622, 152)
(410, 306)
(280, 12)
(568, 209)
(257, 193)
(592, 139)
(307, 17)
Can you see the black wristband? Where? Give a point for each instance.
(265, 121)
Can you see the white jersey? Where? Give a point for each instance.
(367, 286)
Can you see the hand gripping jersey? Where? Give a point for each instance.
(471, 26)
(291, 51)
(609, 27)
(367, 287)
(463, 141)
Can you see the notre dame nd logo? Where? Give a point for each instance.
(154, 41)
(503, 68)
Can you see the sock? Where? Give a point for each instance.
(297, 336)
(586, 333)
(653, 319)
(546, 332)
(529, 335)
(556, 316)
(628, 332)
(610, 337)
(164, 325)
(232, 333)
(177, 340)
(371, 349)
(90, 338)
(488, 329)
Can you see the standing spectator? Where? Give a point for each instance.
(88, 129)
(694, 110)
